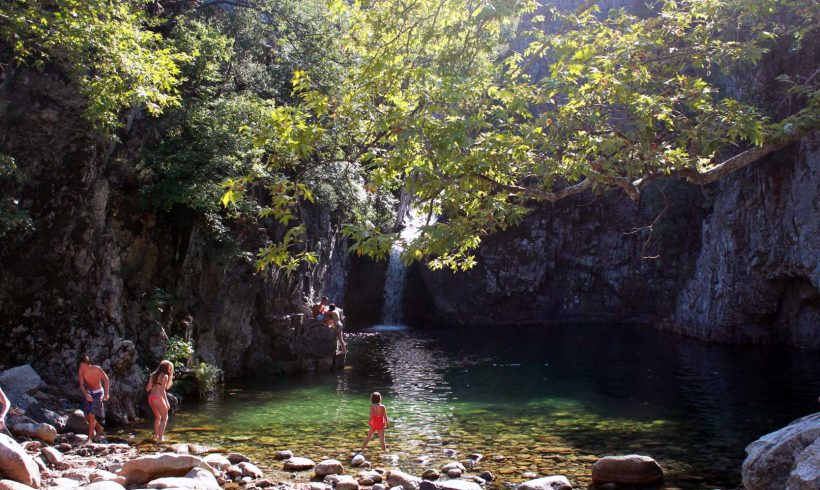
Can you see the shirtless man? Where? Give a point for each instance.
(334, 320)
(92, 378)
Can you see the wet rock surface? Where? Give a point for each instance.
(787, 458)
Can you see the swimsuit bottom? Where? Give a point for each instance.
(95, 406)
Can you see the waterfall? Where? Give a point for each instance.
(393, 309)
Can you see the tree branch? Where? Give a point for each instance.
(538, 194)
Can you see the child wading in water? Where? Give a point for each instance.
(378, 420)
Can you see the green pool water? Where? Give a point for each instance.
(546, 400)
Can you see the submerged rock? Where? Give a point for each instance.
(281, 455)
(430, 475)
(555, 482)
(632, 469)
(775, 458)
(236, 458)
(16, 464)
(486, 476)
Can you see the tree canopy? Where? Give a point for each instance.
(435, 99)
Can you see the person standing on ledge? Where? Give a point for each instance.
(92, 377)
(334, 320)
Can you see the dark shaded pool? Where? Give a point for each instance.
(547, 400)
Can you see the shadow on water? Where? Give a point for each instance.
(549, 400)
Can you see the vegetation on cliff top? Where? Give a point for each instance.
(353, 103)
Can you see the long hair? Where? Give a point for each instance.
(165, 367)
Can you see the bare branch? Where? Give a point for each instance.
(538, 194)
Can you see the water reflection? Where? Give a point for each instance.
(550, 400)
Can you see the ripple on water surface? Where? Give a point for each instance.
(547, 400)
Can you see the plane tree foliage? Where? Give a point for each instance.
(356, 103)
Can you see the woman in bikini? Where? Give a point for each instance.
(378, 420)
(159, 381)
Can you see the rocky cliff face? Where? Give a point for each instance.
(757, 276)
(584, 259)
(102, 275)
(738, 261)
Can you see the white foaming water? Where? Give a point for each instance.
(393, 309)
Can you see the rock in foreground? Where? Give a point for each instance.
(147, 468)
(777, 460)
(328, 467)
(555, 482)
(299, 464)
(16, 464)
(632, 469)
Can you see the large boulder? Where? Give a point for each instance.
(408, 482)
(328, 467)
(21, 379)
(774, 458)
(631, 469)
(555, 482)
(148, 468)
(45, 432)
(806, 472)
(46, 416)
(16, 464)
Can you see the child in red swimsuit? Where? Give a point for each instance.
(378, 420)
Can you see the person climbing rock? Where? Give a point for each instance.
(333, 319)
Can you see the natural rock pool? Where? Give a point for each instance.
(546, 400)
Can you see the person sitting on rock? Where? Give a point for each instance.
(4, 400)
(319, 309)
(92, 377)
